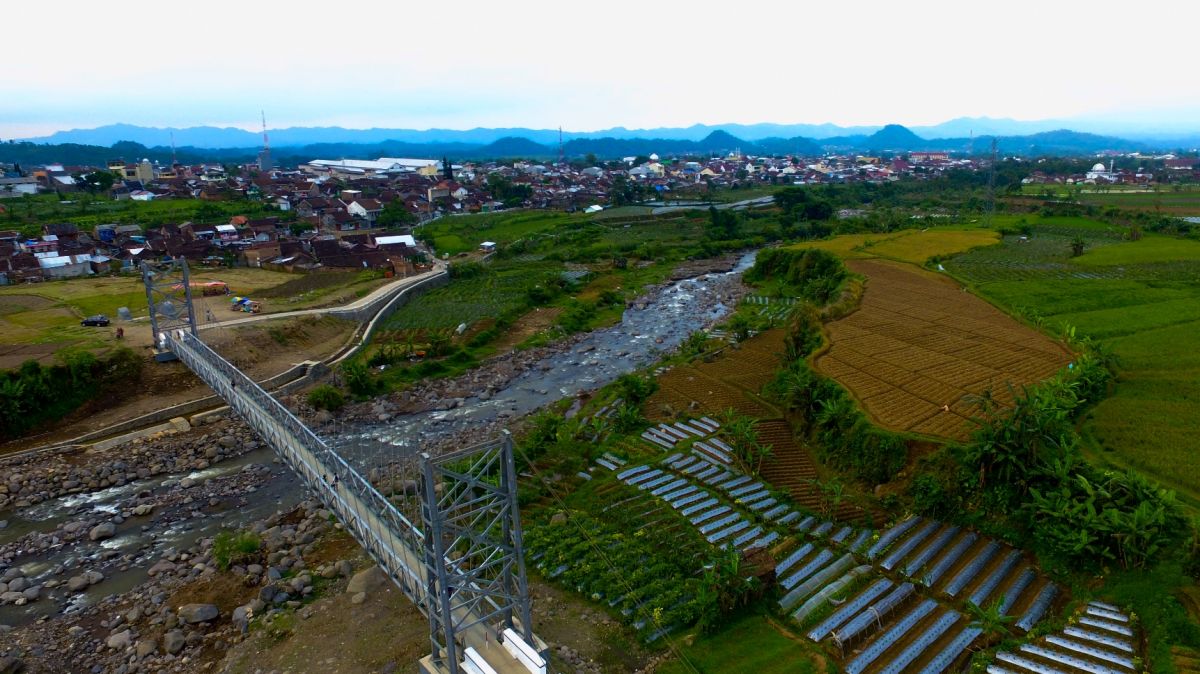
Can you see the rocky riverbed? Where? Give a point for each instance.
(107, 559)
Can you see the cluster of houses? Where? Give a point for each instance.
(65, 251)
(344, 194)
(360, 213)
(1172, 168)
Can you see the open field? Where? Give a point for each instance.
(39, 318)
(1142, 300)
(909, 245)
(460, 234)
(919, 349)
(753, 643)
(87, 211)
(500, 289)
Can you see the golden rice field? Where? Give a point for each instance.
(910, 245)
(920, 347)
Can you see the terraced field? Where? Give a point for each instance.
(733, 380)
(875, 602)
(919, 348)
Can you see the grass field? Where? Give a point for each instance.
(1142, 300)
(749, 644)
(910, 245)
(87, 211)
(48, 313)
(1149, 249)
(502, 288)
(460, 234)
(1179, 200)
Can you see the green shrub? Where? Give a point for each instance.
(234, 548)
(635, 389)
(811, 273)
(34, 394)
(326, 397)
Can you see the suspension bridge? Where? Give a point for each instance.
(451, 540)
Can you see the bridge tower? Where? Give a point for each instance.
(169, 296)
(474, 555)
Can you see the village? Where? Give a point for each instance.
(356, 213)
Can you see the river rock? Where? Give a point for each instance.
(73, 527)
(120, 640)
(358, 598)
(32, 593)
(187, 483)
(173, 641)
(198, 613)
(146, 647)
(366, 581)
(102, 531)
(227, 441)
(18, 584)
(143, 509)
(161, 566)
(77, 583)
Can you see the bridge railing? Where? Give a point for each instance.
(360, 508)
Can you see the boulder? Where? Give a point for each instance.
(77, 583)
(173, 641)
(146, 647)
(143, 509)
(120, 640)
(366, 581)
(198, 613)
(18, 584)
(102, 531)
(72, 527)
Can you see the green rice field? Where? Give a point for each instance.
(1142, 300)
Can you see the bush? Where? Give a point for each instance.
(840, 433)
(635, 389)
(230, 548)
(811, 273)
(34, 393)
(326, 397)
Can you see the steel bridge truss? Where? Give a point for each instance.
(465, 570)
(169, 296)
(471, 516)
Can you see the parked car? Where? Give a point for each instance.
(99, 320)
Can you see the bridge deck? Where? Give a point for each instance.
(390, 538)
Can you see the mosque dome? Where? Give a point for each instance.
(1098, 167)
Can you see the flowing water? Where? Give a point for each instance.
(655, 324)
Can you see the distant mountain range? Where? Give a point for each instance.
(960, 129)
(97, 145)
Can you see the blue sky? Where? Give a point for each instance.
(591, 65)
